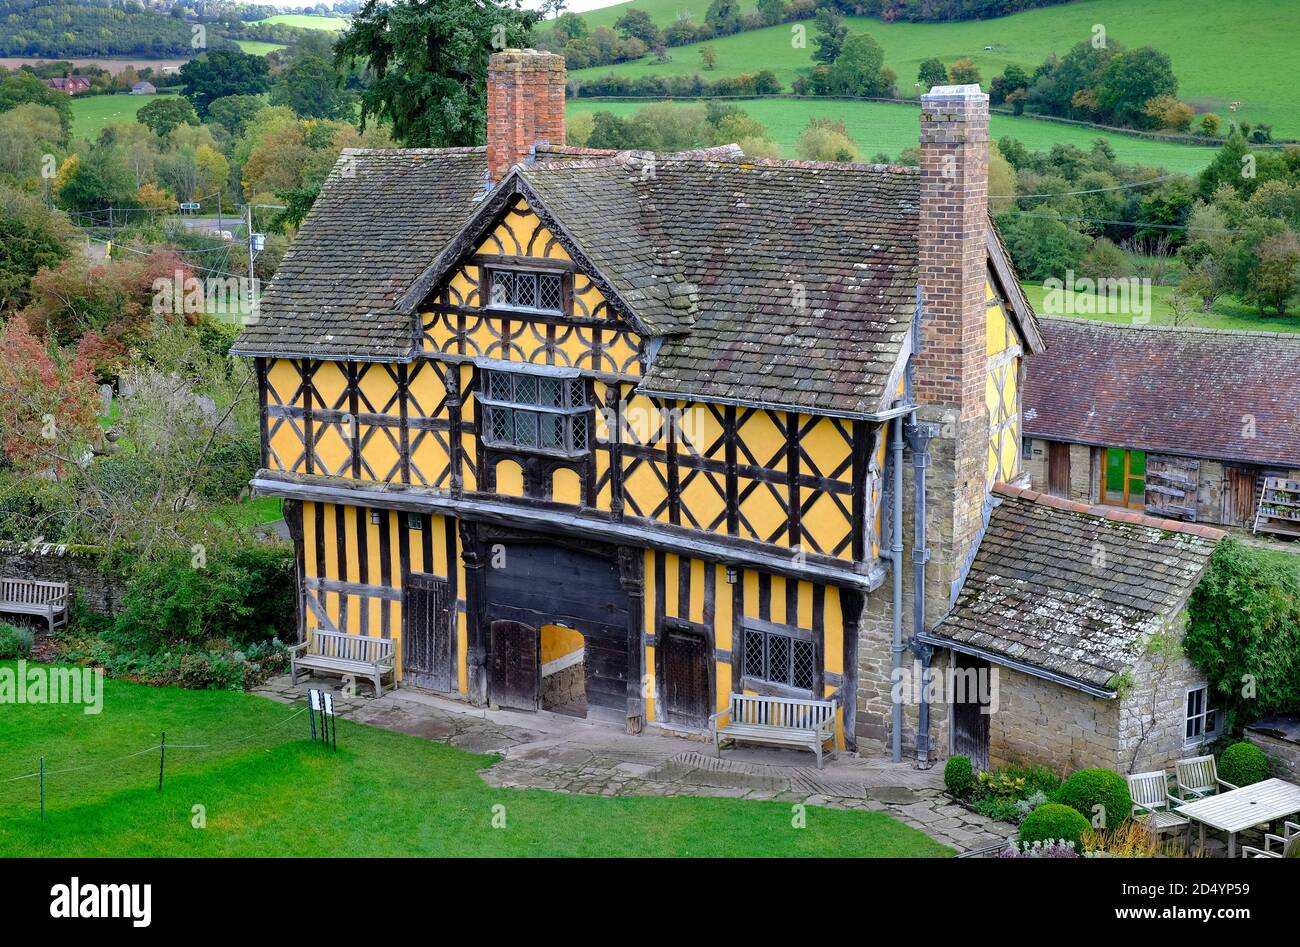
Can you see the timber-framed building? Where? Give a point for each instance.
(616, 434)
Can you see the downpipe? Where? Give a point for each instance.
(919, 437)
(896, 553)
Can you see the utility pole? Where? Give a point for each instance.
(220, 228)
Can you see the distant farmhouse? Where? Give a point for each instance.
(143, 88)
(70, 84)
(1179, 423)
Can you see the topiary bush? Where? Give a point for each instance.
(959, 775)
(1053, 822)
(1088, 789)
(1242, 764)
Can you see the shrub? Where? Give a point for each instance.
(1002, 783)
(1001, 808)
(15, 642)
(959, 775)
(1039, 850)
(1089, 788)
(1053, 822)
(1242, 764)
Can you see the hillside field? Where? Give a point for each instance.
(256, 47)
(888, 127)
(303, 21)
(92, 112)
(1221, 52)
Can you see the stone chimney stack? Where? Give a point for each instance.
(951, 365)
(525, 105)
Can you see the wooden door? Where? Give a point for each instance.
(516, 666)
(1172, 484)
(1240, 489)
(970, 718)
(685, 688)
(1058, 469)
(426, 636)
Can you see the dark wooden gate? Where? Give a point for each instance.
(685, 687)
(1171, 486)
(1241, 485)
(516, 679)
(970, 719)
(426, 636)
(1058, 469)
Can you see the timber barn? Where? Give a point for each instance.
(618, 434)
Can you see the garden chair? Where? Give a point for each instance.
(1288, 844)
(1151, 805)
(1198, 777)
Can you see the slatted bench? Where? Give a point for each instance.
(778, 721)
(48, 600)
(333, 652)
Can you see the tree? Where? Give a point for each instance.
(638, 24)
(32, 238)
(569, 26)
(1165, 111)
(1277, 277)
(724, 16)
(709, 57)
(98, 180)
(825, 139)
(964, 72)
(552, 8)
(222, 72)
(932, 73)
(428, 59)
(858, 70)
(831, 34)
(1043, 245)
(166, 112)
(1209, 124)
(772, 11)
(24, 87)
(1013, 80)
(1132, 79)
(313, 89)
(234, 112)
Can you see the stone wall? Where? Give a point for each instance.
(1039, 721)
(1283, 755)
(81, 567)
(565, 686)
(1153, 719)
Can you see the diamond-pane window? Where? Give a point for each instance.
(536, 411)
(787, 658)
(517, 289)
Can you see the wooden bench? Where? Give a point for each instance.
(333, 652)
(48, 600)
(778, 721)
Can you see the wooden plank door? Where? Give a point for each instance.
(970, 718)
(1240, 489)
(685, 688)
(1171, 486)
(515, 680)
(1058, 469)
(426, 635)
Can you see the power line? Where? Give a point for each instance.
(1095, 190)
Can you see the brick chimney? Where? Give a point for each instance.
(525, 93)
(951, 366)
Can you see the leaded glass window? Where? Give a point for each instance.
(785, 657)
(535, 412)
(517, 289)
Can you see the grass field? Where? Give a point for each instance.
(888, 127)
(305, 22)
(383, 793)
(91, 113)
(255, 47)
(1228, 313)
(1221, 52)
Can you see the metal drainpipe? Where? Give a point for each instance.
(896, 553)
(920, 435)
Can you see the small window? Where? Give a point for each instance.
(517, 289)
(544, 413)
(1026, 447)
(414, 521)
(1202, 719)
(374, 517)
(784, 657)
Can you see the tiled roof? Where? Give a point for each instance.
(1203, 392)
(381, 216)
(1072, 590)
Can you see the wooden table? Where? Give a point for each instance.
(1242, 808)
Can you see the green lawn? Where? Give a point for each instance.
(307, 22)
(1221, 52)
(889, 127)
(255, 47)
(1228, 313)
(92, 112)
(382, 794)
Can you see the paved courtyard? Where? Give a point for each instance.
(567, 754)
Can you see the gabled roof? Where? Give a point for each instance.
(1210, 393)
(1070, 592)
(781, 283)
(381, 216)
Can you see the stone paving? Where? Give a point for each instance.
(566, 754)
